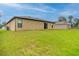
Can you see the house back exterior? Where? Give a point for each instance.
(27, 23)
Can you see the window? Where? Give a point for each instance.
(19, 23)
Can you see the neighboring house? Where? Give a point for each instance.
(62, 25)
(28, 23)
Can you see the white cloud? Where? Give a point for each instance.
(67, 12)
(47, 8)
(40, 7)
(1, 13)
(14, 5)
(71, 9)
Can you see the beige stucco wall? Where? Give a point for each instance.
(28, 25)
(31, 25)
(60, 26)
(50, 26)
(11, 25)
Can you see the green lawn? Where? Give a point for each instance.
(40, 43)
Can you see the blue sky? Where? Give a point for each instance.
(49, 12)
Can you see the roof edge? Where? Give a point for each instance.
(28, 19)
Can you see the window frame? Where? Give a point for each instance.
(19, 23)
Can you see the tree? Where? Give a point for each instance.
(4, 23)
(76, 20)
(62, 18)
(71, 20)
(0, 20)
(0, 25)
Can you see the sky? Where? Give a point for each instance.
(46, 11)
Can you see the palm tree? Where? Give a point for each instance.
(70, 20)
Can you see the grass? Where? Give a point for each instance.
(40, 43)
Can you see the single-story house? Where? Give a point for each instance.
(28, 23)
(61, 25)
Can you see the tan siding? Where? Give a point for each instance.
(31, 25)
(63, 26)
(50, 26)
(11, 25)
